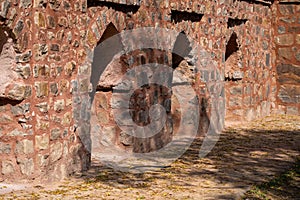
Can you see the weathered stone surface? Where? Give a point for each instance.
(8, 77)
(67, 118)
(298, 38)
(39, 3)
(288, 68)
(5, 148)
(56, 151)
(54, 88)
(126, 139)
(237, 90)
(41, 70)
(108, 135)
(69, 68)
(7, 167)
(292, 110)
(26, 165)
(42, 89)
(43, 160)
(40, 51)
(59, 105)
(24, 147)
(23, 70)
(17, 92)
(281, 29)
(20, 109)
(55, 41)
(102, 116)
(39, 19)
(55, 134)
(16, 132)
(285, 53)
(284, 40)
(42, 142)
(19, 27)
(289, 93)
(43, 107)
(112, 75)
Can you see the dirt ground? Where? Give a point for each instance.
(245, 156)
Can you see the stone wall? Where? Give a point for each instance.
(47, 120)
(287, 39)
(38, 134)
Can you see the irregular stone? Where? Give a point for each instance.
(297, 55)
(26, 165)
(24, 147)
(16, 132)
(292, 110)
(289, 93)
(289, 19)
(108, 135)
(7, 167)
(42, 142)
(64, 86)
(24, 57)
(55, 134)
(43, 160)
(5, 118)
(54, 89)
(286, 9)
(54, 47)
(41, 70)
(23, 70)
(284, 40)
(63, 22)
(285, 53)
(54, 4)
(69, 68)
(101, 100)
(281, 29)
(43, 107)
(298, 38)
(17, 92)
(42, 89)
(39, 3)
(42, 123)
(9, 78)
(126, 139)
(237, 90)
(28, 91)
(56, 151)
(5, 148)
(5, 6)
(39, 19)
(59, 105)
(40, 51)
(51, 22)
(19, 27)
(288, 68)
(20, 109)
(102, 116)
(67, 118)
(84, 85)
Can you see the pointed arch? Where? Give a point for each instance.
(103, 54)
(181, 47)
(110, 31)
(232, 46)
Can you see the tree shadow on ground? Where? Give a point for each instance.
(242, 157)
